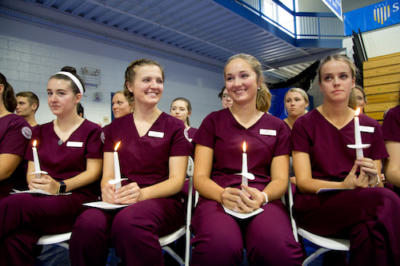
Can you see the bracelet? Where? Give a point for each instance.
(266, 198)
(377, 182)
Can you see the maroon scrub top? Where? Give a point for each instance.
(15, 134)
(391, 125)
(266, 139)
(145, 160)
(330, 157)
(65, 161)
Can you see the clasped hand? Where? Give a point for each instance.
(368, 174)
(46, 183)
(127, 194)
(245, 201)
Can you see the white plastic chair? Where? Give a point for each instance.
(325, 243)
(164, 241)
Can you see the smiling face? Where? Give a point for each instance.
(120, 105)
(61, 99)
(148, 85)
(336, 81)
(241, 81)
(179, 110)
(295, 104)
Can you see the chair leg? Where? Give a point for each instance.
(174, 255)
(315, 255)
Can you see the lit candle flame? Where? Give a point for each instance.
(244, 146)
(34, 143)
(357, 111)
(116, 146)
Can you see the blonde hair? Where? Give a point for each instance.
(353, 99)
(302, 92)
(338, 57)
(263, 98)
(130, 74)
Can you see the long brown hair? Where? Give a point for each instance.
(8, 96)
(263, 98)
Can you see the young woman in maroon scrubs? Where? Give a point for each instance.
(366, 213)
(69, 149)
(153, 156)
(14, 138)
(182, 109)
(121, 105)
(391, 135)
(219, 239)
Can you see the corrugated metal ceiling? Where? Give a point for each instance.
(201, 27)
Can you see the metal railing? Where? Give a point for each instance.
(305, 24)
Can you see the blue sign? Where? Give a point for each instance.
(335, 6)
(372, 17)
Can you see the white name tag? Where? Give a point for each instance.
(268, 132)
(367, 129)
(74, 144)
(156, 134)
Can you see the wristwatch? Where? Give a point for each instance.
(62, 188)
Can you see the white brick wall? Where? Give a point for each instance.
(29, 55)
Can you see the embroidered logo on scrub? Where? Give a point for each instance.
(27, 132)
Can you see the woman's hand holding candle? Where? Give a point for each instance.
(231, 197)
(367, 176)
(128, 194)
(108, 193)
(46, 183)
(250, 200)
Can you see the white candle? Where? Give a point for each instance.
(36, 160)
(244, 165)
(117, 171)
(357, 135)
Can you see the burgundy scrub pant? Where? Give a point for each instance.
(369, 217)
(219, 238)
(133, 231)
(24, 218)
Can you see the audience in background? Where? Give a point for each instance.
(226, 100)
(27, 106)
(361, 99)
(121, 105)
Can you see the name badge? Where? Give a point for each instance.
(268, 132)
(367, 129)
(74, 144)
(156, 134)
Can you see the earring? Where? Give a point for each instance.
(131, 111)
(259, 88)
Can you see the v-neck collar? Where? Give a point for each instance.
(327, 121)
(147, 133)
(73, 132)
(237, 122)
